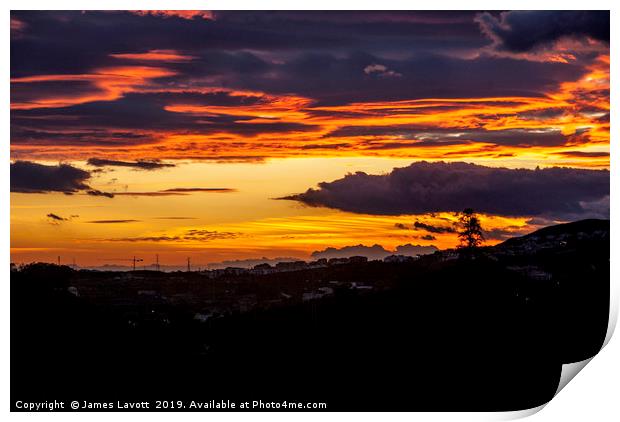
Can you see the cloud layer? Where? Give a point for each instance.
(140, 164)
(200, 235)
(520, 31)
(32, 177)
(425, 187)
(29, 177)
(129, 88)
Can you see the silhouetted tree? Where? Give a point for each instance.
(470, 231)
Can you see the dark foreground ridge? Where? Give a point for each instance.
(481, 331)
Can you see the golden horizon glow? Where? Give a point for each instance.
(245, 223)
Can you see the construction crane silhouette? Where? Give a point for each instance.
(136, 260)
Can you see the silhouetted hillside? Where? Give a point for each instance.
(489, 331)
(578, 231)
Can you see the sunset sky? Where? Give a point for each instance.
(237, 135)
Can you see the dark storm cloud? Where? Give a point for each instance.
(380, 146)
(140, 164)
(387, 17)
(130, 112)
(141, 111)
(581, 154)
(30, 177)
(56, 217)
(55, 136)
(72, 42)
(426, 136)
(520, 31)
(433, 229)
(521, 137)
(433, 187)
(596, 209)
(33, 92)
(95, 192)
(35, 178)
(501, 234)
(217, 98)
(339, 80)
(320, 59)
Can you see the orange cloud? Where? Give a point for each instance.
(184, 14)
(155, 55)
(577, 110)
(108, 84)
